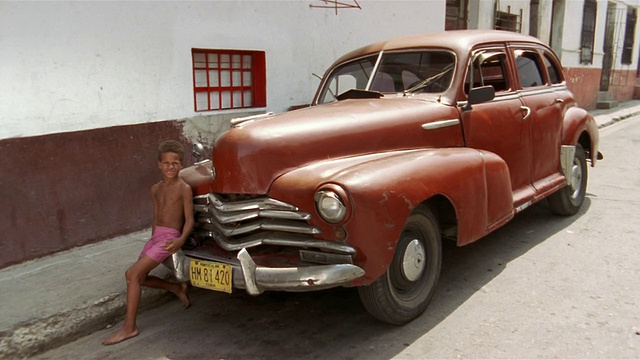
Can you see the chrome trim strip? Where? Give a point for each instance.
(324, 258)
(269, 238)
(440, 124)
(536, 91)
(264, 203)
(277, 214)
(238, 121)
(228, 217)
(263, 224)
(523, 206)
(374, 70)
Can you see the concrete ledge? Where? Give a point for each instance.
(38, 335)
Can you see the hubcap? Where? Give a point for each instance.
(413, 261)
(576, 178)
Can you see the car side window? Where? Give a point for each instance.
(354, 75)
(529, 70)
(555, 76)
(489, 69)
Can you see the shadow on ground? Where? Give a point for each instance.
(333, 324)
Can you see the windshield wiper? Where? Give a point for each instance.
(428, 81)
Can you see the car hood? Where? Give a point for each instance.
(251, 155)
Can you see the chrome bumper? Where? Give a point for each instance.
(256, 279)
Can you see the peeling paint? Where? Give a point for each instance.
(206, 128)
(408, 202)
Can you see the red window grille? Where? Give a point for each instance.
(228, 79)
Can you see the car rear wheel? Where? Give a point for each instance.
(567, 201)
(404, 291)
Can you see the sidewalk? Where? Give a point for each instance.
(51, 301)
(54, 300)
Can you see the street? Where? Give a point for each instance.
(542, 286)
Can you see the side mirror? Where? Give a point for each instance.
(479, 95)
(198, 151)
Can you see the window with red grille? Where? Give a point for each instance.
(228, 79)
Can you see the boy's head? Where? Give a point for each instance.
(171, 146)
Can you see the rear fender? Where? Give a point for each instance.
(580, 127)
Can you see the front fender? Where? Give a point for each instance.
(384, 188)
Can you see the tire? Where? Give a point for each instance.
(403, 292)
(567, 201)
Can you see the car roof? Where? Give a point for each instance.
(460, 41)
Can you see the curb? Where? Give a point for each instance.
(38, 335)
(612, 119)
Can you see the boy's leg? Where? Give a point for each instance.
(135, 276)
(179, 289)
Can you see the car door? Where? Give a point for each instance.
(499, 125)
(543, 104)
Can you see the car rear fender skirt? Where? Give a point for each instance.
(577, 123)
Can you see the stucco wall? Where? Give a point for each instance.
(69, 66)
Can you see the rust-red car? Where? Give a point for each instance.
(407, 143)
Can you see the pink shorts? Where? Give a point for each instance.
(154, 248)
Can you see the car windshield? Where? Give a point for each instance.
(426, 71)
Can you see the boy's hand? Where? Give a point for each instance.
(173, 245)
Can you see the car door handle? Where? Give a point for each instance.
(526, 111)
(559, 101)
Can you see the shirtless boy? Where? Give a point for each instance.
(172, 223)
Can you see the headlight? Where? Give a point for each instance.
(330, 206)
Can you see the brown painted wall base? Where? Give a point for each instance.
(584, 84)
(64, 190)
(622, 84)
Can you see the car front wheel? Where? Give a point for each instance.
(404, 291)
(567, 201)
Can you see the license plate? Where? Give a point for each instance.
(211, 275)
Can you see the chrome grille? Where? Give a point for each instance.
(235, 222)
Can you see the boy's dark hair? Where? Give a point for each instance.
(171, 146)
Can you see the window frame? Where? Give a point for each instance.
(548, 57)
(629, 36)
(588, 31)
(229, 79)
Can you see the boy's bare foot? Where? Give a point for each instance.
(120, 336)
(183, 295)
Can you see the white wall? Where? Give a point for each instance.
(573, 30)
(67, 66)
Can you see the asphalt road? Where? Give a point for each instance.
(540, 287)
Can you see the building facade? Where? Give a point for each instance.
(88, 89)
(595, 39)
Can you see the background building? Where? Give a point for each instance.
(595, 39)
(88, 89)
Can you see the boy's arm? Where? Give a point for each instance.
(154, 190)
(187, 204)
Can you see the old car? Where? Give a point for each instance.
(407, 143)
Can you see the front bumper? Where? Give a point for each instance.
(256, 279)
